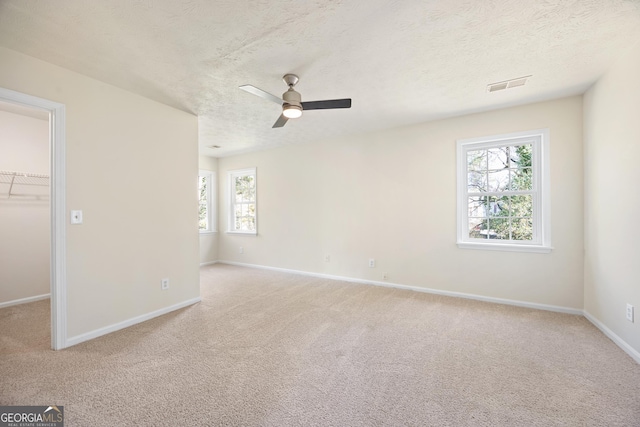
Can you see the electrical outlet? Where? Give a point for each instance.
(164, 284)
(372, 263)
(630, 313)
(327, 258)
(241, 250)
(385, 276)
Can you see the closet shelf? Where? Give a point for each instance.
(13, 184)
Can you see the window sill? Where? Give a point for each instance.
(205, 233)
(505, 247)
(244, 233)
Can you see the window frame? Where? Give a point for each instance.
(211, 200)
(231, 175)
(541, 242)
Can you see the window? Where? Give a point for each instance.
(206, 196)
(242, 201)
(503, 192)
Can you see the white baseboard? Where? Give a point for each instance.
(635, 355)
(133, 321)
(533, 305)
(202, 264)
(24, 300)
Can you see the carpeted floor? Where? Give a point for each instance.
(271, 349)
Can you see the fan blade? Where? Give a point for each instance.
(262, 94)
(280, 122)
(328, 104)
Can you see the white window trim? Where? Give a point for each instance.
(211, 201)
(541, 170)
(231, 191)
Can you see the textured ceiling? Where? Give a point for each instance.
(401, 62)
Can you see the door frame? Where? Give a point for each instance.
(57, 189)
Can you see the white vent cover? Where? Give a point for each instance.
(507, 84)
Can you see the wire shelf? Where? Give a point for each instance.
(17, 184)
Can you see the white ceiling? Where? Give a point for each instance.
(401, 61)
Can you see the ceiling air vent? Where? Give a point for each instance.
(508, 84)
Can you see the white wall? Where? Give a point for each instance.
(209, 241)
(612, 197)
(24, 221)
(392, 196)
(131, 167)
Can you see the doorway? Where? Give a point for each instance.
(57, 210)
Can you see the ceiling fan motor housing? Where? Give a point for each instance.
(292, 97)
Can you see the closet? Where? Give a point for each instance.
(25, 216)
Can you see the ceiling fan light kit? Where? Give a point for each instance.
(292, 105)
(292, 111)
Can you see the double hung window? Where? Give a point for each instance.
(503, 192)
(242, 201)
(206, 197)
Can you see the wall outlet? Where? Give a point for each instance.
(327, 258)
(241, 250)
(372, 263)
(630, 313)
(385, 276)
(164, 283)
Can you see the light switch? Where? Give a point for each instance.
(76, 217)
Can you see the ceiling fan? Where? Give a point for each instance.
(292, 105)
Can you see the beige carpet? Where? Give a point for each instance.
(272, 349)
